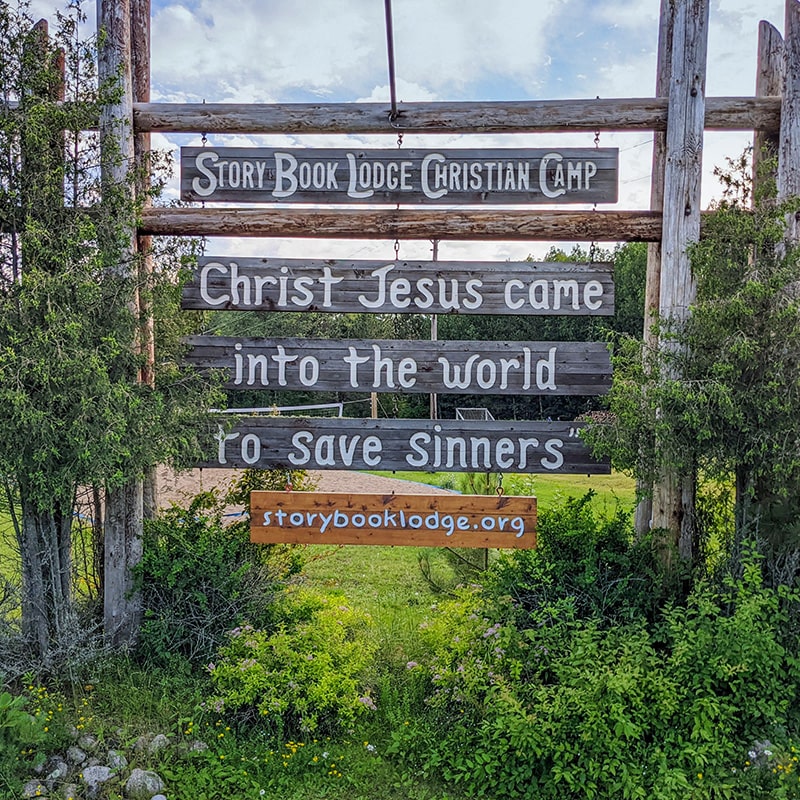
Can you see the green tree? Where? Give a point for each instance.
(71, 408)
(723, 397)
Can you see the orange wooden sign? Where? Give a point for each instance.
(390, 519)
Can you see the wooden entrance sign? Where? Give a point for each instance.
(405, 444)
(374, 177)
(389, 519)
(398, 365)
(231, 283)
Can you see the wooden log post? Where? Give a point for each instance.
(673, 496)
(644, 509)
(789, 145)
(140, 60)
(123, 522)
(769, 83)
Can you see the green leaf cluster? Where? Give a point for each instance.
(306, 674)
(698, 703)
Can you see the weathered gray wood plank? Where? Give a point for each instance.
(396, 365)
(422, 445)
(407, 176)
(400, 287)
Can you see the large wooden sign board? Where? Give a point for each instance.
(441, 177)
(403, 444)
(392, 365)
(389, 519)
(224, 283)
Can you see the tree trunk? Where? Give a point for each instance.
(122, 604)
(45, 543)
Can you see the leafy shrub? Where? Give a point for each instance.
(699, 705)
(586, 565)
(309, 673)
(201, 577)
(18, 730)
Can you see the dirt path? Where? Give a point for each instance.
(180, 487)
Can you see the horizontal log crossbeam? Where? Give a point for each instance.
(477, 225)
(523, 116)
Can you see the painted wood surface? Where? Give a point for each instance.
(464, 224)
(523, 116)
(391, 519)
(405, 444)
(397, 365)
(409, 176)
(400, 287)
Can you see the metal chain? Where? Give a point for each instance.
(593, 245)
(397, 241)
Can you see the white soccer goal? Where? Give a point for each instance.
(474, 413)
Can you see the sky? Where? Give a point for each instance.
(445, 50)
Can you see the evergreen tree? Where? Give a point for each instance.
(72, 411)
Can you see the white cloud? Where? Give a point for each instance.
(244, 51)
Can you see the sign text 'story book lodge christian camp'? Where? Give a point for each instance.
(443, 177)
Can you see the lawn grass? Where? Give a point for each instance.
(613, 491)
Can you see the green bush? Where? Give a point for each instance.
(306, 675)
(586, 565)
(201, 577)
(18, 731)
(698, 705)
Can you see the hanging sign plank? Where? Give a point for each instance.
(405, 444)
(389, 519)
(392, 365)
(400, 287)
(374, 177)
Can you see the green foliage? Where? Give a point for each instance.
(18, 731)
(720, 395)
(699, 705)
(587, 564)
(72, 408)
(306, 674)
(200, 576)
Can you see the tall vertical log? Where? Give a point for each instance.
(673, 495)
(789, 146)
(769, 82)
(140, 52)
(644, 510)
(123, 522)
